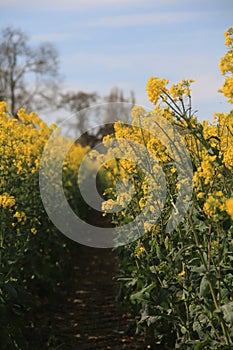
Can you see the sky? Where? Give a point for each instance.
(107, 43)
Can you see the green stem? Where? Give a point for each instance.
(216, 304)
(1, 236)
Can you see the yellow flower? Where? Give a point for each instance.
(6, 200)
(21, 146)
(229, 37)
(173, 170)
(138, 111)
(109, 205)
(156, 88)
(226, 67)
(3, 107)
(214, 204)
(148, 226)
(229, 207)
(181, 274)
(20, 216)
(219, 193)
(140, 251)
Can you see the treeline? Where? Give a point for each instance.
(30, 78)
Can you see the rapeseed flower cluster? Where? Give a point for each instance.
(229, 207)
(6, 200)
(22, 142)
(209, 144)
(176, 281)
(32, 251)
(140, 251)
(226, 67)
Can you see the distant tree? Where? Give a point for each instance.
(77, 103)
(118, 107)
(89, 125)
(28, 76)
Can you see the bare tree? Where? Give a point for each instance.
(89, 125)
(28, 76)
(77, 103)
(118, 107)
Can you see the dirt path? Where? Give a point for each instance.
(88, 318)
(86, 315)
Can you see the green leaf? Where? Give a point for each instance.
(148, 319)
(141, 294)
(198, 269)
(197, 326)
(228, 312)
(181, 251)
(202, 344)
(204, 286)
(159, 252)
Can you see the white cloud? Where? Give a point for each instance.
(173, 62)
(57, 37)
(67, 5)
(50, 37)
(103, 60)
(201, 67)
(145, 19)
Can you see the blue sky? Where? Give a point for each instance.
(105, 43)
